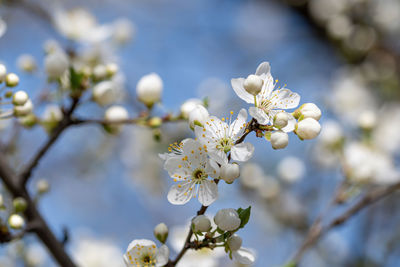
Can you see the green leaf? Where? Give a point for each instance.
(244, 215)
(75, 79)
(290, 264)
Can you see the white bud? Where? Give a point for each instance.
(367, 120)
(112, 69)
(23, 110)
(20, 98)
(104, 93)
(3, 73)
(227, 219)
(198, 116)
(161, 232)
(201, 223)
(56, 64)
(307, 128)
(26, 63)
(229, 172)
(189, 105)
(331, 132)
(253, 84)
(16, 221)
(115, 114)
(100, 72)
(279, 139)
(42, 186)
(149, 89)
(281, 120)
(51, 46)
(52, 114)
(234, 242)
(12, 80)
(310, 110)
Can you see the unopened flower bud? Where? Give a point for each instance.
(12, 80)
(281, 120)
(52, 114)
(234, 242)
(307, 128)
(100, 72)
(25, 109)
(16, 221)
(20, 98)
(201, 223)
(124, 30)
(104, 93)
(308, 110)
(114, 115)
(56, 63)
(155, 122)
(189, 105)
(198, 116)
(229, 172)
(149, 89)
(367, 120)
(227, 219)
(3, 73)
(112, 69)
(28, 121)
(42, 186)
(253, 84)
(161, 232)
(20, 204)
(26, 63)
(279, 139)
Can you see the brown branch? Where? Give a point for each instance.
(33, 216)
(64, 124)
(318, 230)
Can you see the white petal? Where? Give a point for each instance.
(237, 85)
(263, 68)
(194, 150)
(208, 192)
(142, 242)
(244, 256)
(291, 124)
(284, 99)
(162, 255)
(176, 167)
(217, 155)
(242, 151)
(259, 114)
(212, 169)
(238, 126)
(180, 194)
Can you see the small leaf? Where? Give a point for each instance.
(244, 215)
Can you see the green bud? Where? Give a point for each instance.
(20, 204)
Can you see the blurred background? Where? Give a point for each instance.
(108, 190)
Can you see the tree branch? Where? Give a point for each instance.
(64, 124)
(317, 230)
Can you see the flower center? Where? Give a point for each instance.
(225, 144)
(266, 105)
(199, 175)
(148, 259)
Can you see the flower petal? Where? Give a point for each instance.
(195, 153)
(263, 68)
(237, 85)
(180, 194)
(238, 125)
(259, 114)
(284, 99)
(162, 255)
(242, 151)
(244, 256)
(291, 124)
(208, 192)
(212, 169)
(177, 168)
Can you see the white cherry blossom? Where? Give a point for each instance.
(269, 101)
(143, 252)
(192, 171)
(221, 137)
